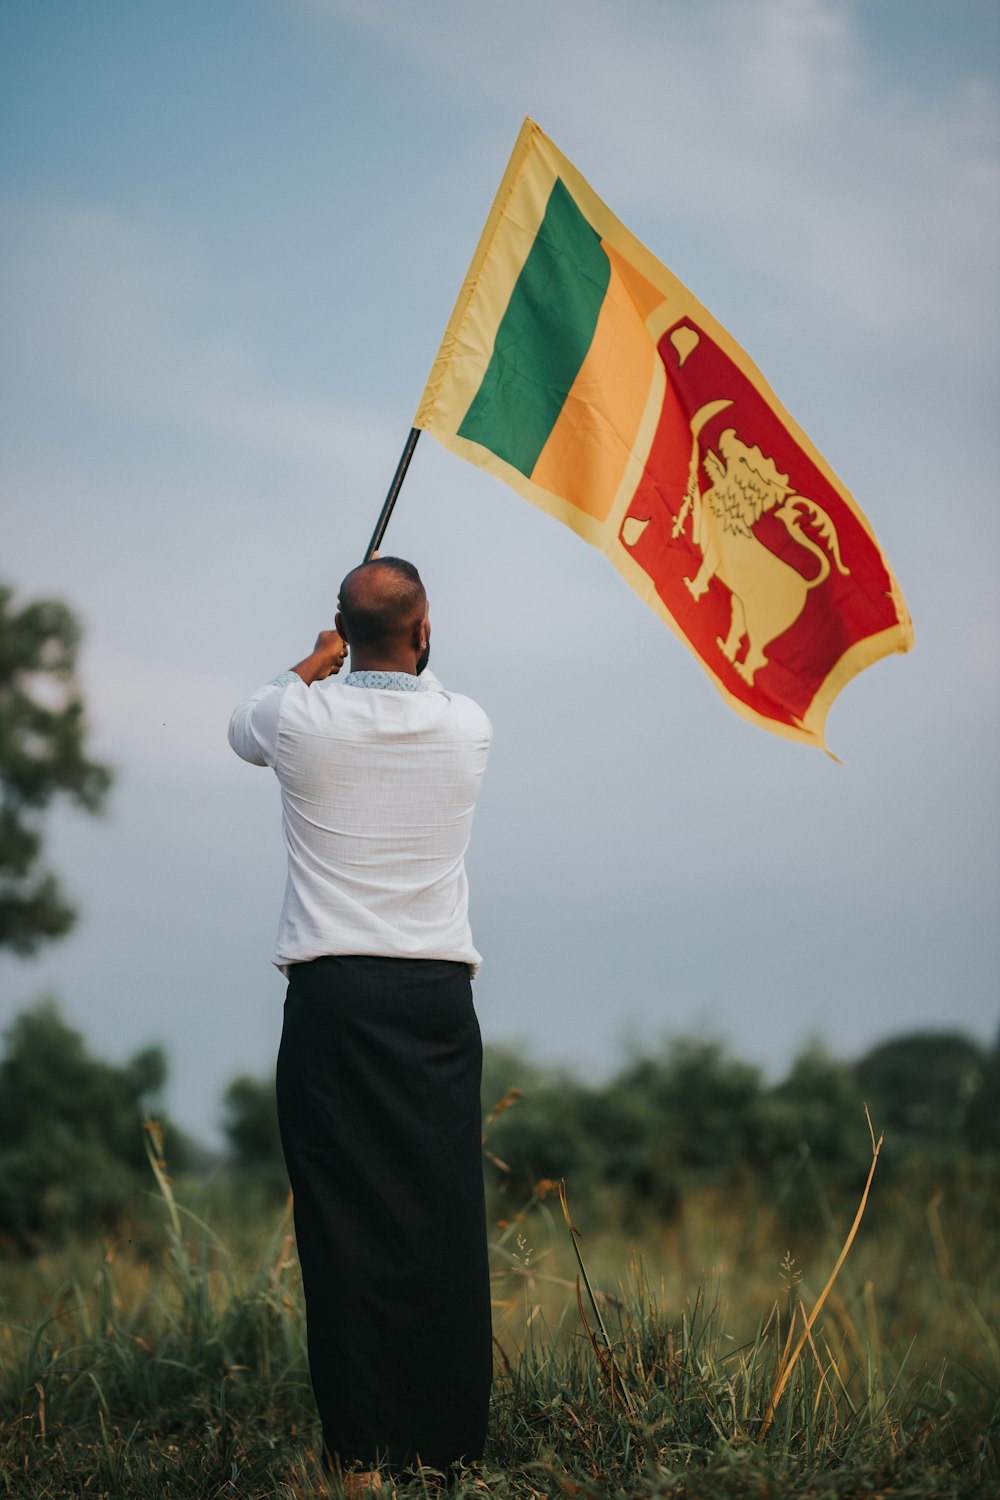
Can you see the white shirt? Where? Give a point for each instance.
(378, 789)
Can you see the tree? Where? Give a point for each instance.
(982, 1119)
(703, 1104)
(819, 1106)
(71, 1144)
(251, 1128)
(919, 1086)
(42, 756)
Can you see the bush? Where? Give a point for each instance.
(72, 1146)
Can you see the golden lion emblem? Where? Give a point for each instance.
(767, 594)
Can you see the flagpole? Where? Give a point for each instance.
(394, 489)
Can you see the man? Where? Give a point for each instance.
(380, 1060)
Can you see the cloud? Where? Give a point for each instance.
(770, 127)
(167, 717)
(129, 316)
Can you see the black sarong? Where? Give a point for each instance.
(378, 1083)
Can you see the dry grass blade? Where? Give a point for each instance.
(824, 1384)
(618, 1380)
(788, 1362)
(607, 1367)
(158, 1163)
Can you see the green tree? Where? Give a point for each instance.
(250, 1124)
(71, 1143)
(536, 1124)
(920, 1086)
(982, 1119)
(42, 756)
(702, 1103)
(819, 1106)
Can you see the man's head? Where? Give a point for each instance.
(383, 616)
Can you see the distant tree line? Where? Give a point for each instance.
(73, 1155)
(691, 1112)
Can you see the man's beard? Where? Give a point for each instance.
(423, 658)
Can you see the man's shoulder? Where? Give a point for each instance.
(464, 709)
(474, 715)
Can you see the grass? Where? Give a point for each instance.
(172, 1363)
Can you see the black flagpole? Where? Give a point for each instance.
(394, 489)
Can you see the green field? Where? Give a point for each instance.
(169, 1359)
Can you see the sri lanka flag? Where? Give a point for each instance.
(579, 370)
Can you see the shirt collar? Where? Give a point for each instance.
(400, 682)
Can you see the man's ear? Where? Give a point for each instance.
(338, 621)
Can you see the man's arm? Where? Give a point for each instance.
(253, 728)
(325, 660)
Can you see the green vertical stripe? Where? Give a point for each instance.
(543, 337)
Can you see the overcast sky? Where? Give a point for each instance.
(231, 239)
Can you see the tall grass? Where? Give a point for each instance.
(176, 1366)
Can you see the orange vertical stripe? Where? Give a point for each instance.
(644, 294)
(586, 452)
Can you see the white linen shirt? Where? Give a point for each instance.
(378, 789)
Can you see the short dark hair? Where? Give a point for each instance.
(374, 615)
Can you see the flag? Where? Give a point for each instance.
(580, 371)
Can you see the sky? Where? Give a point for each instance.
(230, 239)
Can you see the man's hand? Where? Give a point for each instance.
(326, 659)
